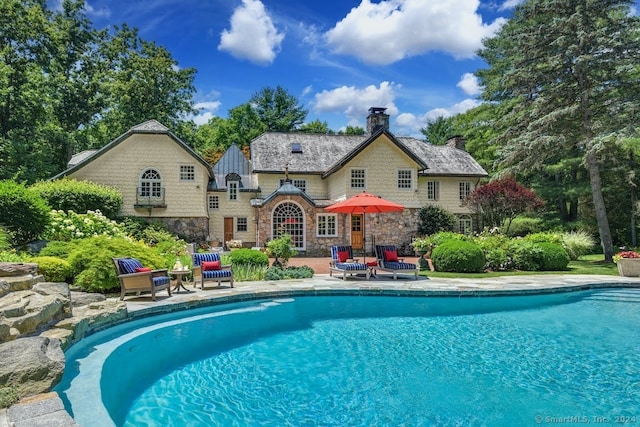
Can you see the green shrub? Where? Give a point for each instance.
(11, 255)
(80, 196)
(247, 256)
(544, 237)
(554, 257)
(458, 256)
(4, 240)
(23, 213)
(281, 250)
(524, 255)
(278, 273)
(53, 269)
(8, 396)
(444, 236)
(168, 246)
(432, 219)
(495, 259)
(92, 265)
(137, 227)
(57, 248)
(577, 243)
(522, 225)
(70, 225)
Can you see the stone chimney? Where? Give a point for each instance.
(376, 119)
(456, 141)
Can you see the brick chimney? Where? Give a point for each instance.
(376, 119)
(456, 141)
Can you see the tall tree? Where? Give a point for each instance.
(570, 65)
(277, 109)
(141, 82)
(438, 130)
(316, 126)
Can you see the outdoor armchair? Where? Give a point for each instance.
(208, 266)
(134, 277)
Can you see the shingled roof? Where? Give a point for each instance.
(323, 154)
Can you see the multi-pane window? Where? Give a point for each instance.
(233, 190)
(326, 225)
(214, 202)
(465, 189)
(358, 178)
(405, 179)
(433, 190)
(288, 218)
(241, 224)
(465, 224)
(150, 184)
(300, 183)
(187, 173)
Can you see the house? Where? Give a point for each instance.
(286, 184)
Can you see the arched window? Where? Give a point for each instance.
(288, 218)
(150, 184)
(465, 224)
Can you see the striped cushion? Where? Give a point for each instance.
(198, 258)
(129, 265)
(400, 266)
(351, 266)
(159, 281)
(214, 274)
(336, 249)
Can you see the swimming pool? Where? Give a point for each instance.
(354, 360)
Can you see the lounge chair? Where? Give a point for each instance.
(342, 262)
(388, 261)
(208, 266)
(134, 277)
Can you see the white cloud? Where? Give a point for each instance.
(252, 35)
(388, 31)
(206, 111)
(410, 124)
(469, 84)
(307, 90)
(510, 4)
(355, 102)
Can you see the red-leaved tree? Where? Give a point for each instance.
(502, 200)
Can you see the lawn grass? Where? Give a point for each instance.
(588, 264)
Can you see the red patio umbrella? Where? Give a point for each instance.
(364, 203)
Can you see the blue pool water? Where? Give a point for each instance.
(364, 361)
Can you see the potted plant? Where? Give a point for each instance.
(628, 263)
(423, 246)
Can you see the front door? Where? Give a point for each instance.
(356, 231)
(228, 230)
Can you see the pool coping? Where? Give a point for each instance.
(324, 284)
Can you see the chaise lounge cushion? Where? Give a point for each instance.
(343, 256)
(391, 256)
(129, 265)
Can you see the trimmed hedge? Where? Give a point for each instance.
(554, 257)
(432, 219)
(246, 256)
(23, 213)
(80, 196)
(458, 256)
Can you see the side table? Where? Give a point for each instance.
(179, 284)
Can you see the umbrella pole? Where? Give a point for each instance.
(364, 237)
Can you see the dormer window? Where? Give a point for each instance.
(296, 147)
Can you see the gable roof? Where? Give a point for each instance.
(148, 127)
(325, 154)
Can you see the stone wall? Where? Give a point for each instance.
(191, 229)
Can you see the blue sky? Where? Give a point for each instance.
(338, 57)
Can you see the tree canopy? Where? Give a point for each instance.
(569, 69)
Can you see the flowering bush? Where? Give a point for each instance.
(234, 243)
(625, 254)
(66, 226)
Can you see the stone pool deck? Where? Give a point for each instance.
(47, 410)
